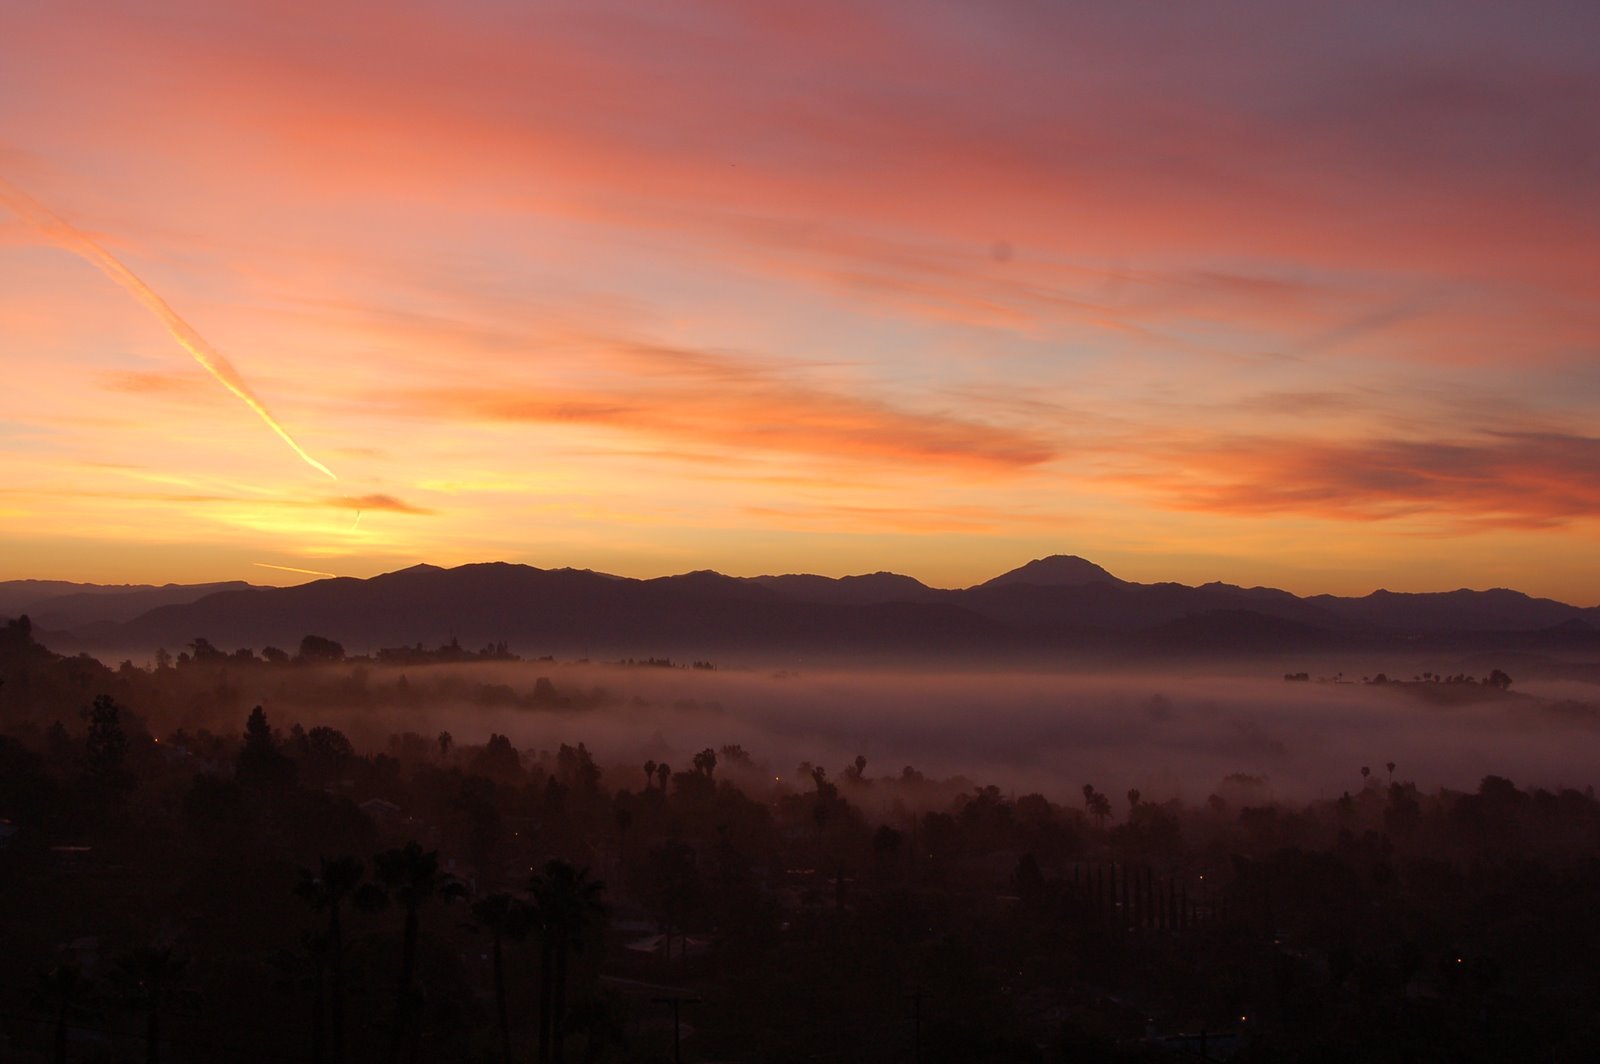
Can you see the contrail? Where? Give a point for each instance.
(65, 236)
(292, 569)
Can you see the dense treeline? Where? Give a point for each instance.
(272, 889)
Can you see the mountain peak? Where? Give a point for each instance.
(1058, 570)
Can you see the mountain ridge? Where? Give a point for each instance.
(1062, 605)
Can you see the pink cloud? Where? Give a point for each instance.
(740, 406)
(1496, 480)
(896, 122)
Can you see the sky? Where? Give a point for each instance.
(1305, 295)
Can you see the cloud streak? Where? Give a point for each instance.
(742, 405)
(1513, 480)
(386, 503)
(380, 502)
(64, 236)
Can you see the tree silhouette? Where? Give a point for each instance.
(413, 878)
(1099, 808)
(566, 903)
(105, 752)
(705, 762)
(1096, 804)
(575, 768)
(316, 648)
(663, 773)
(324, 755)
(202, 650)
(498, 760)
(260, 763)
(19, 630)
(649, 773)
(505, 918)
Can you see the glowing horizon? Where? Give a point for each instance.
(1301, 298)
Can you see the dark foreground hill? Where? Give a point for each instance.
(1060, 608)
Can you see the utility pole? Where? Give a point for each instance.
(677, 1022)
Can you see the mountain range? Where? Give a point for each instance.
(1062, 607)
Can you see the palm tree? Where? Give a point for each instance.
(335, 882)
(566, 903)
(649, 773)
(152, 971)
(505, 918)
(663, 772)
(413, 878)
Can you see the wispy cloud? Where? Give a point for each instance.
(1495, 480)
(144, 382)
(741, 405)
(381, 502)
(386, 503)
(921, 521)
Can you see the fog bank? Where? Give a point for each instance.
(1170, 735)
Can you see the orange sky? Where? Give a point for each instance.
(1303, 295)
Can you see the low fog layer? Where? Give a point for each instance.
(1168, 735)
